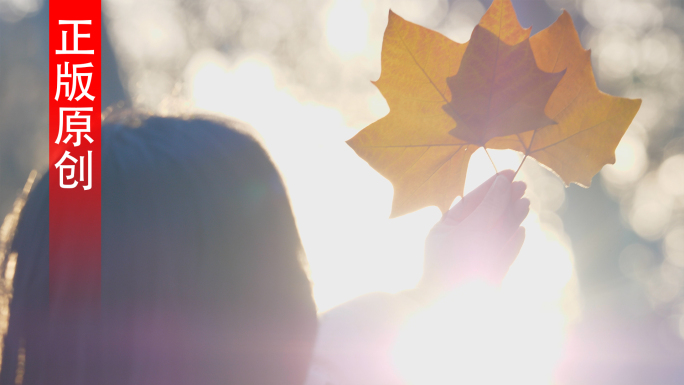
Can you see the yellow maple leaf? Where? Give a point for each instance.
(590, 123)
(508, 95)
(411, 146)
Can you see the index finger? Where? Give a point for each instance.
(473, 199)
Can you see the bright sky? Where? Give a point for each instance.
(342, 208)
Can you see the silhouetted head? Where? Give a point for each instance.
(202, 277)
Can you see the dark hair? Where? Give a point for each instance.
(202, 276)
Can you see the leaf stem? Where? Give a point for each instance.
(527, 151)
(519, 167)
(490, 159)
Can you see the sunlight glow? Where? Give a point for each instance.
(479, 335)
(518, 329)
(341, 207)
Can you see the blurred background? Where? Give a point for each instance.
(597, 294)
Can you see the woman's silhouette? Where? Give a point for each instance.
(202, 272)
(202, 276)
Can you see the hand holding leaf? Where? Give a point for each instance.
(478, 238)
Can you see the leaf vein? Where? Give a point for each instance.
(415, 191)
(576, 133)
(422, 69)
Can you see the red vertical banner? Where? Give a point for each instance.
(75, 151)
